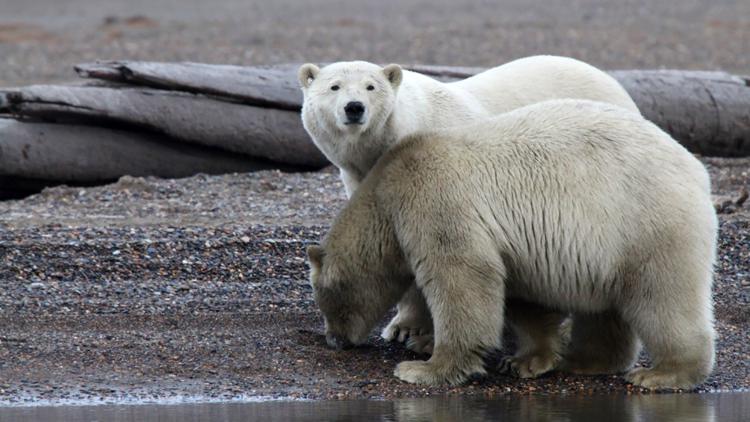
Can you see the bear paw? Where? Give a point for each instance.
(403, 327)
(428, 373)
(417, 372)
(655, 379)
(422, 344)
(528, 366)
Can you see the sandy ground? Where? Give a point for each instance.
(166, 288)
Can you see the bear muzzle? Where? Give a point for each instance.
(354, 111)
(337, 342)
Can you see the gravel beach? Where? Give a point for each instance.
(151, 288)
(197, 288)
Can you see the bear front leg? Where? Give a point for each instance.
(466, 302)
(541, 335)
(412, 322)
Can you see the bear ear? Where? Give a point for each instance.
(307, 73)
(394, 74)
(316, 253)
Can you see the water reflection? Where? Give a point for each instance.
(667, 407)
(683, 408)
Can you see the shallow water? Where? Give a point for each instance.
(645, 408)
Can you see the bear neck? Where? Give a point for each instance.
(366, 148)
(369, 239)
(378, 139)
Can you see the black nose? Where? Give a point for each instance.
(354, 110)
(337, 342)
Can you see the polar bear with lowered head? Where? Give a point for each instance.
(570, 206)
(355, 111)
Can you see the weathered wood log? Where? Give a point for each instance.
(273, 86)
(252, 111)
(83, 154)
(709, 112)
(270, 86)
(272, 134)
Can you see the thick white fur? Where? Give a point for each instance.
(418, 102)
(568, 206)
(404, 102)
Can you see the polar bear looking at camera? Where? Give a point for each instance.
(564, 206)
(355, 111)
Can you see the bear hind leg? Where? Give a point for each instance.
(600, 343)
(673, 318)
(541, 334)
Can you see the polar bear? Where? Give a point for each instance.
(355, 111)
(570, 206)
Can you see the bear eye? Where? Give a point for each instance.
(370, 88)
(335, 88)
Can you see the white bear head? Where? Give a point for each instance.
(351, 298)
(349, 97)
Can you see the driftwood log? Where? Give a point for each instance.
(35, 155)
(248, 118)
(267, 133)
(708, 112)
(270, 86)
